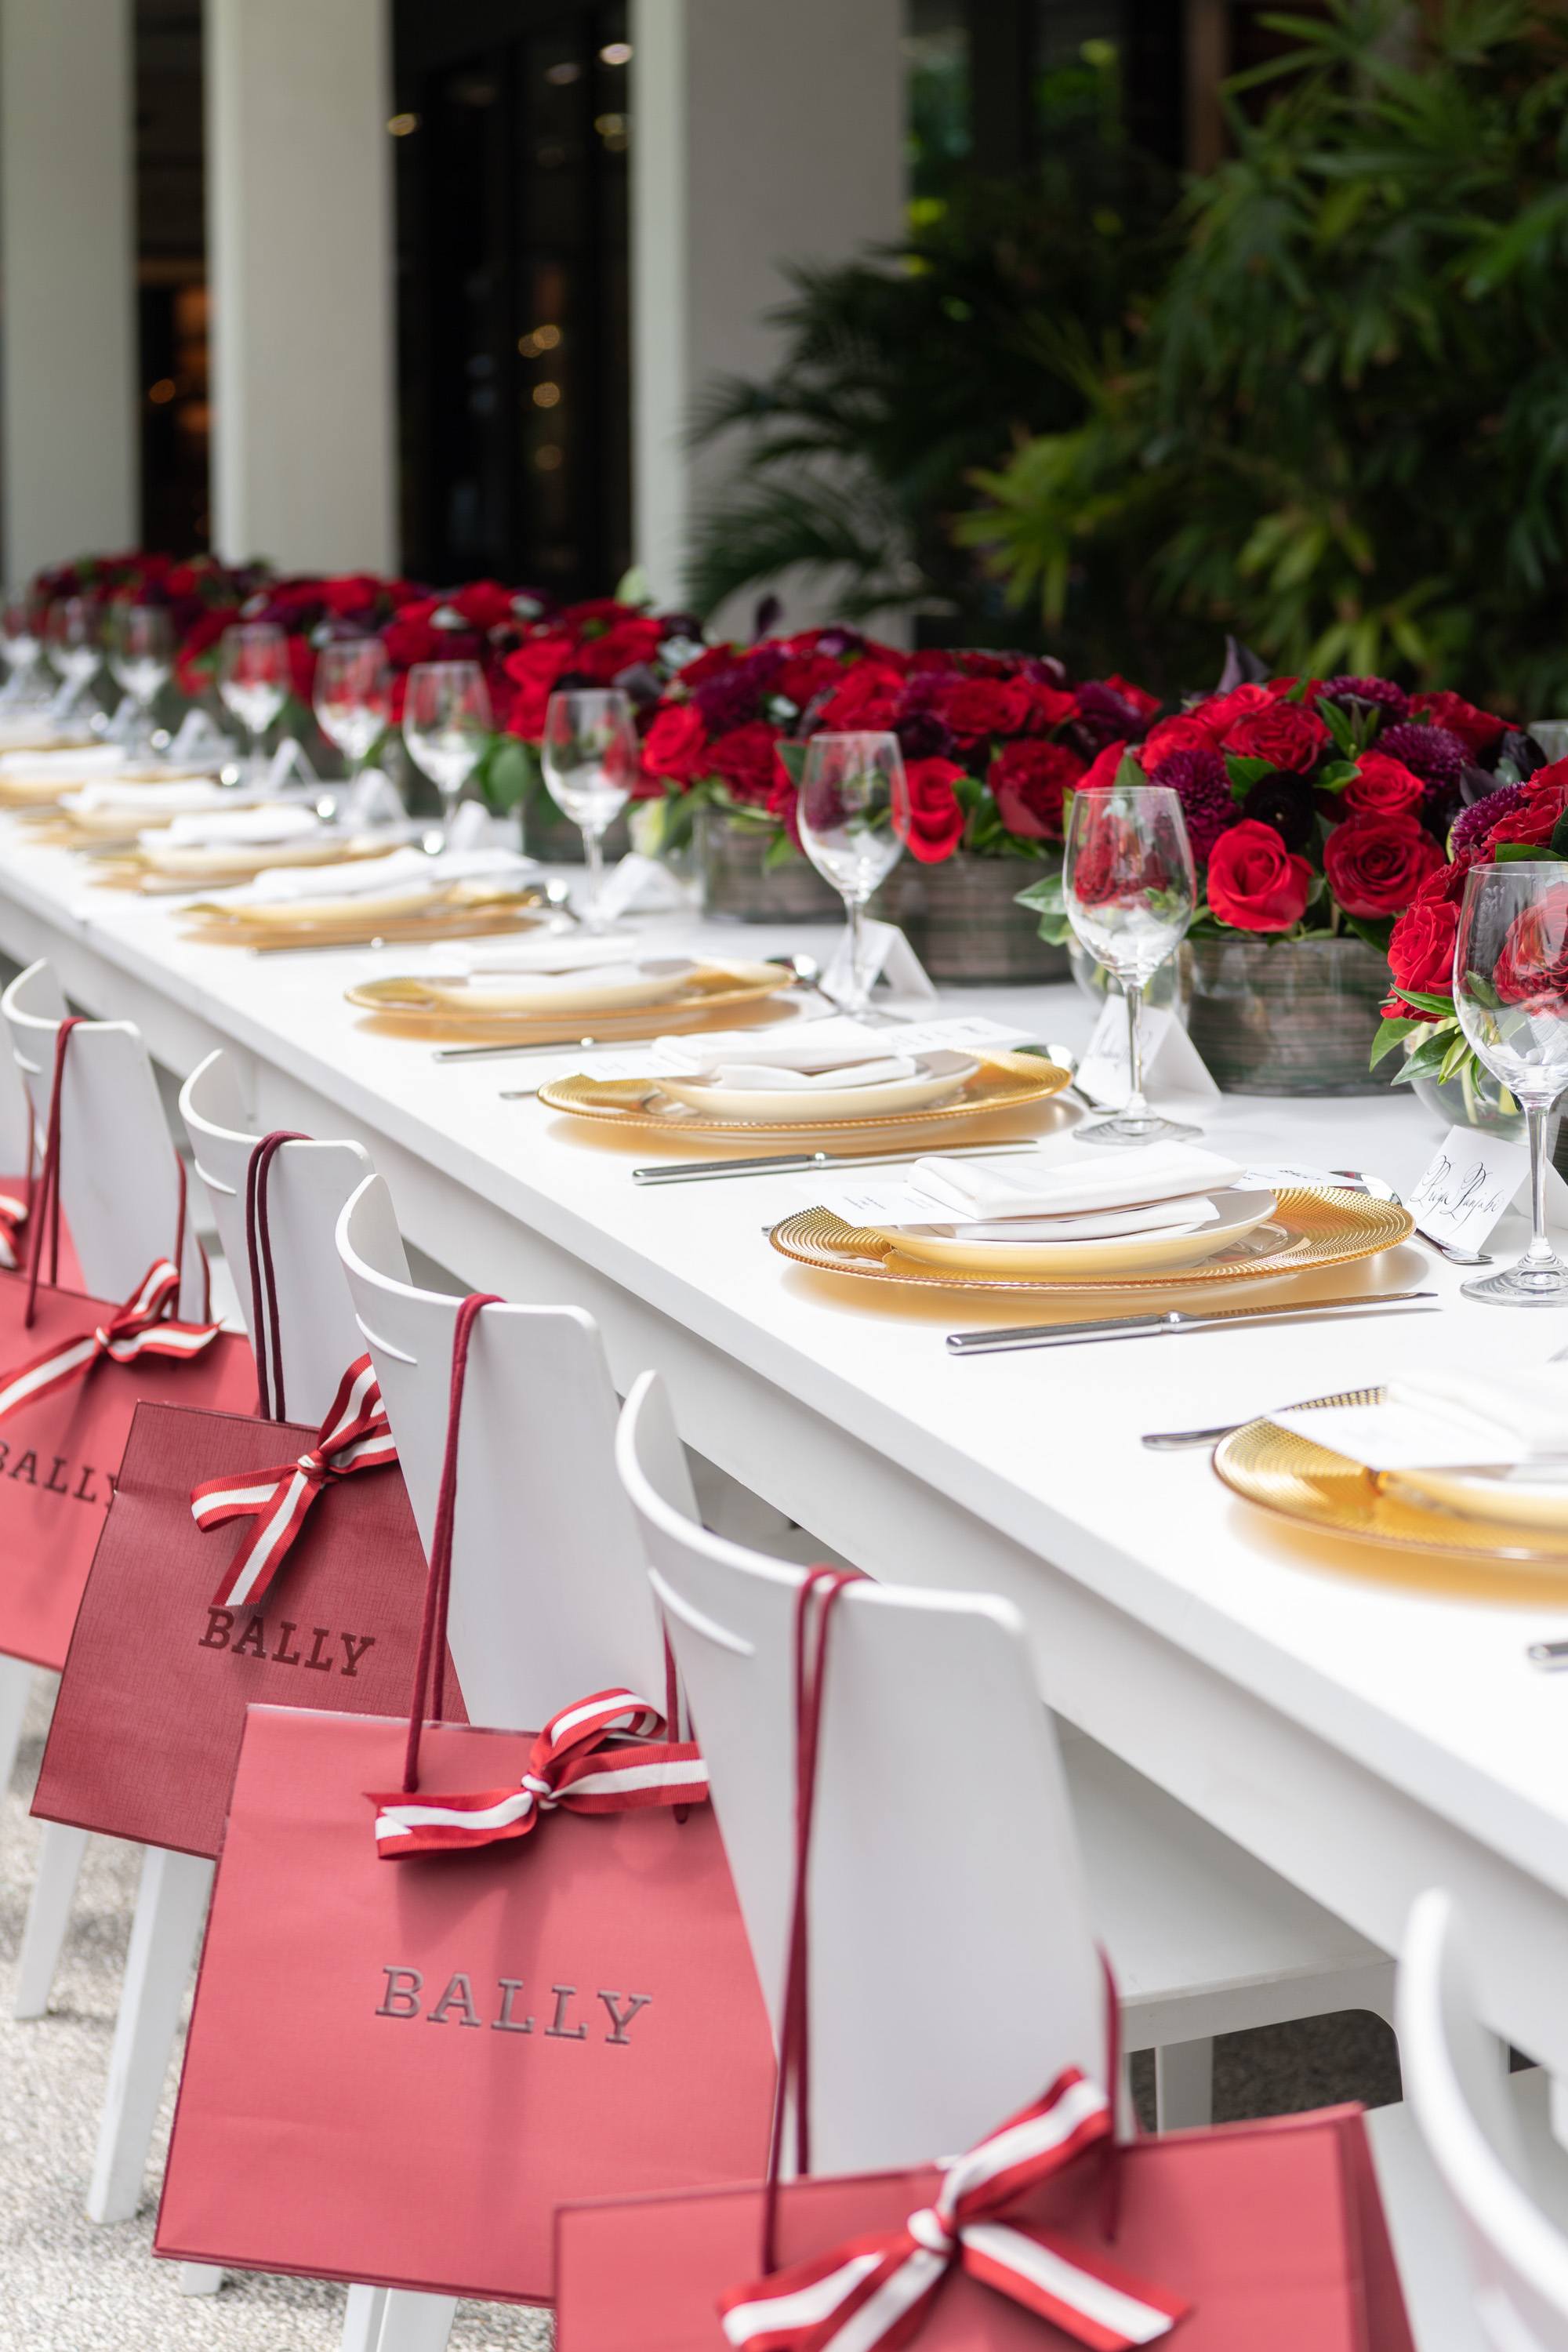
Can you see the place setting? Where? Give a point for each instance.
(406, 895)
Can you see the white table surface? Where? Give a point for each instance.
(1365, 1725)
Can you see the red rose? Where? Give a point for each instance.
(596, 613)
(356, 592)
(804, 675)
(1376, 865)
(603, 658)
(1536, 821)
(1284, 734)
(302, 668)
(1143, 703)
(1220, 713)
(974, 707)
(1533, 968)
(1421, 951)
(713, 663)
(1475, 729)
(1030, 778)
(1049, 706)
(1381, 787)
(676, 745)
(747, 762)
(533, 669)
(1103, 769)
(936, 823)
(867, 703)
(1255, 882)
(1182, 733)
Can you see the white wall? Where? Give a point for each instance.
(68, 315)
(299, 254)
(763, 131)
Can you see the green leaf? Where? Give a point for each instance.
(1524, 853)
(1558, 845)
(1389, 1032)
(792, 758)
(1336, 775)
(1338, 723)
(1246, 772)
(1374, 932)
(1454, 1059)
(1442, 1005)
(1427, 1060)
(508, 774)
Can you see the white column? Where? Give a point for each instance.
(299, 260)
(67, 374)
(762, 134)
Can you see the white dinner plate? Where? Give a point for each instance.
(953, 1245)
(572, 995)
(938, 1076)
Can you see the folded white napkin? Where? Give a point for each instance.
(753, 1078)
(556, 950)
(827, 1044)
(245, 828)
(1058, 1187)
(156, 800)
(1185, 1216)
(405, 870)
(1433, 1421)
(80, 759)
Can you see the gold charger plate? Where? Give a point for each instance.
(1309, 1230)
(421, 1006)
(149, 872)
(460, 916)
(1003, 1082)
(1283, 1472)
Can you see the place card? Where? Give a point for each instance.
(890, 960)
(288, 766)
(1469, 1184)
(196, 742)
(643, 883)
(1172, 1063)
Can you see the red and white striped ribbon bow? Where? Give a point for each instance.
(353, 1436)
(13, 1217)
(141, 1328)
(877, 2291)
(601, 1756)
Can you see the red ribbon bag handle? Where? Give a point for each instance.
(264, 1323)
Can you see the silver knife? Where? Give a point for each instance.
(1176, 1318)
(687, 1171)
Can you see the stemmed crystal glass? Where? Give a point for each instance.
(590, 757)
(21, 641)
(253, 680)
(354, 696)
(853, 812)
(76, 650)
(142, 656)
(447, 723)
(1511, 993)
(1129, 891)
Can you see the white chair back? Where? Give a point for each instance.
(550, 1597)
(1457, 2094)
(307, 1184)
(119, 1176)
(952, 1970)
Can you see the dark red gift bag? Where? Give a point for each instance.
(242, 1560)
(77, 1368)
(1047, 2233)
(397, 2067)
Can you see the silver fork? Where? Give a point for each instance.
(1179, 1441)
(1374, 1185)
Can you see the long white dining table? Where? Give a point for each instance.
(1366, 1724)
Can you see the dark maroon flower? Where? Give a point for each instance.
(1431, 752)
(1286, 803)
(924, 736)
(1377, 693)
(1472, 824)
(1199, 780)
(1105, 716)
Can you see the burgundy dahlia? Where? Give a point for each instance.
(1473, 823)
(1200, 783)
(922, 735)
(735, 697)
(1377, 693)
(1432, 753)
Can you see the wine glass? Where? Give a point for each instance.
(76, 650)
(590, 757)
(853, 815)
(354, 696)
(1511, 993)
(447, 723)
(253, 680)
(21, 641)
(1129, 891)
(142, 656)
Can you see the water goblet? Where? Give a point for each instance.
(353, 696)
(142, 657)
(590, 758)
(75, 629)
(853, 812)
(1511, 993)
(446, 724)
(253, 681)
(1129, 891)
(21, 642)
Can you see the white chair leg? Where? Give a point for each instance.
(171, 1905)
(417, 2323)
(15, 1688)
(1183, 2085)
(60, 1852)
(200, 2278)
(362, 2325)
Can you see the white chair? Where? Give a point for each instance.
(936, 1743)
(550, 1596)
(309, 1183)
(1475, 2187)
(120, 1195)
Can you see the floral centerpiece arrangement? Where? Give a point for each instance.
(188, 587)
(1518, 811)
(1318, 809)
(309, 610)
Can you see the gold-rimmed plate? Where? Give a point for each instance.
(1283, 1472)
(436, 1008)
(466, 911)
(1000, 1082)
(165, 872)
(1311, 1229)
